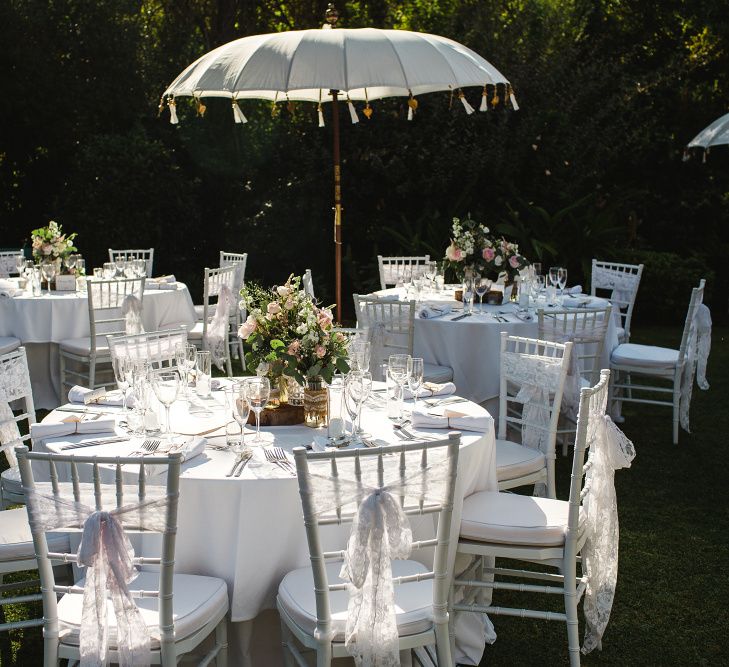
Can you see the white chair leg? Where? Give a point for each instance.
(50, 652)
(287, 639)
(92, 372)
(676, 406)
(221, 640)
(551, 484)
(324, 654)
(570, 607)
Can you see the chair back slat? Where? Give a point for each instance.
(7, 262)
(398, 270)
(622, 281)
(239, 260)
(697, 298)
(15, 386)
(155, 347)
(105, 298)
(147, 254)
(213, 281)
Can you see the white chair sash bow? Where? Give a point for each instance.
(698, 348)
(14, 384)
(217, 331)
(622, 284)
(108, 556)
(609, 451)
(380, 532)
(131, 310)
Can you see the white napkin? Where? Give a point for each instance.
(163, 279)
(451, 419)
(577, 289)
(524, 316)
(584, 302)
(9, 288)
(429, 312)
(193, 447)
(151, 284)
(73, 425)
(432, 389)
(76, 395)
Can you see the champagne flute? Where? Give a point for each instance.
(562, 278)
(49, 273)
(239, 409)
(186, 358)
(483, 285)
(19, 263)
(122, 374)
(398, 366)
(118, 264)
(257, 391)
(166, 387)
(415, 377)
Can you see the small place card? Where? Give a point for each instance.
(65, 283)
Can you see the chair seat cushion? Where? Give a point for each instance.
(413, 601)
(514, 460)
(16, 541)
(648, 356)
(8, 344)
(437, 374)
(11, 483)
(508, 518)
(195, 602)
(196, 332)
(82, 346)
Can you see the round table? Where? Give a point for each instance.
(41, 323)
(248, 530)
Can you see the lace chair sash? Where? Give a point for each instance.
(107, 554)
(380, 532)
(14, 384)
(610, 450)
(131, 310)
(216, 338)
(698, 347)
(622, 284)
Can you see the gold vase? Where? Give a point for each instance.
(316, 403)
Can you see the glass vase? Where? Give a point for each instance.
(316, 403)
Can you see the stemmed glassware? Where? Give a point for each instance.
(140, 267)
(19, 263)
(415, 377)
(483, 285)
(257, 391)
(360, 351)
(109, 270)
(123, 375)
(49, 273)
(398, 366)
(431, 271)
(239, 408)
(166, 387)
(357, 387)
(561, 278)
(119, 263)
(70, 261)
(186, 358)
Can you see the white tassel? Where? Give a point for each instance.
(410, 113)
(469, 109)
(512, 97)
(484, 102)
(238, 116)
(321, 117)
(173, 112)
(353, 112)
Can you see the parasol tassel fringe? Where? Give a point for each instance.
(484, 100)
(410, 113)
(238, 115)
(352, 112)
(321, 116)
(173, 111)
(512, 97)
(469, 109)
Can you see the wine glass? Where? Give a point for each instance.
(119, 263)
(562, 278)
(239, 409)
(19, 263)
(398, 366)
(130, 270)
(257, 391)
(553, 275)
(483, 285)
(109, 270)
(360, 351)
(123, 374)
(49, 273)
(70, 261)
(166, 387)
(431, 271)
(537, 268)
(415, 377)
(358, 387)
(186, 358)
(140, 267)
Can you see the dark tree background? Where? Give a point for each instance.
(610, 92)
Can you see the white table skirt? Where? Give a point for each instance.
(41, 323)
(471, 346)
(248, 530)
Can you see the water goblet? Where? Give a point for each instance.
(19, 263)
(119, 263)
(109, 270)
(415, 377)
(239, 409)
(398, 366)
(561, 278)
(49, 273)
(166, 387)
(257, 392)
(186, 358)
(483, 285)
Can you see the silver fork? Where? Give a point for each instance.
(277, 456)
(281, 455)
(149, 446)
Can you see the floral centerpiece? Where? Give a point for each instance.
(286, 334)
(51, 244)
(472, 248)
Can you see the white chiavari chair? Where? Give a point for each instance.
(106, 299)
(8, 344)
(239, 260)
(554, 534)
(147, 254)
(14, 386)
(369, 487)
(7, 262)
(391, 329)
(398, 270)
(622, 281)
(167, 615)
(647, 363)
(532, 379)
(308, 283)
(214, 281)
(155, 347)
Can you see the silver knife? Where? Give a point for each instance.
(460, 317)
(243, 464)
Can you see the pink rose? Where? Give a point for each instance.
(294, 347)
(454, 253)
(247, 328)
(320, 351)
(489, 254)
(273, 308)
(46, 249)
(514, 262)
(324, 318)
(289, 304)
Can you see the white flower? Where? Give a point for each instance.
(301, 329)
(498, 260)
(283, 290)
(262, 368)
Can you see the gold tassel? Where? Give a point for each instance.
(290, 106)
(238, 116)
(412, 106)
(161, 106)
(469, 109)
(484, 100)
(200, 107)
(352, 112)
(367, 111)
(173, 110)
(321, 115)
(495, 99)
(512, 97)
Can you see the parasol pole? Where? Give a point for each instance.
(337, 205)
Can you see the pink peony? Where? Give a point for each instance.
(273, 308)
(46, 249)
(283, 290)
(454, 253)
(289, 303)
(324, 318)
(320, 351)
(294, 347)
(489, 254)
(514, 262)
(247, 328)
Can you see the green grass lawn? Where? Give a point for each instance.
(671, 602)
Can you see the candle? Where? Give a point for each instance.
(336, 427)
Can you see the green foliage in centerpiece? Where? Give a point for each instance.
(51, 244)
(286, 333)
(472, 248)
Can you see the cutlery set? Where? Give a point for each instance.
(277, 456)
(94, 443)
(239, 465)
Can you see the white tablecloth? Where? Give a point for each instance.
(248, 530)
(470, 346)
(41, 323)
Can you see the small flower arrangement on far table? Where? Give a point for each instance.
(50, 244)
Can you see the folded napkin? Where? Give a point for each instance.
(192, 448)
(73, 425)
(577, 289)
(160, 286)
(432, 389)
(78, 393)
(163, 279)
(524, 316)
(457, 421)
(9, 288)
(429, 312)
(584, 302)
